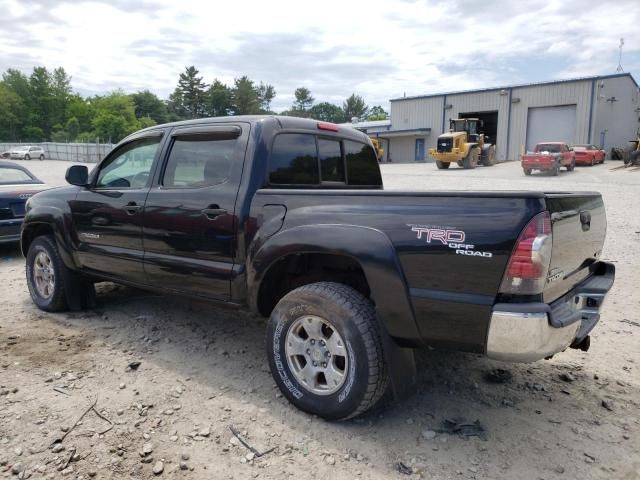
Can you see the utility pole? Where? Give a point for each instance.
(619, 69)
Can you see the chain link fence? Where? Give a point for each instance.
(72, 152)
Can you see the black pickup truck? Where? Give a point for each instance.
(288, 217)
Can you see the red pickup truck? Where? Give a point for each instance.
(549, 156)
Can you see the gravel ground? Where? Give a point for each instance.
(203, 369)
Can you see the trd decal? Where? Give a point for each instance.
(451, 237)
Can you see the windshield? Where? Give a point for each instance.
(9, 175)
(21, 149)
(548, 147)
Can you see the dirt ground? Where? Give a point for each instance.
(203, 370)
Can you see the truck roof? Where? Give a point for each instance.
(284, 122)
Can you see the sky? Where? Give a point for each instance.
(377, 49)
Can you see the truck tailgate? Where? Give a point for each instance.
(579, 225)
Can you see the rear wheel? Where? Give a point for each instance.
(442, 165)
(571, 166)
(490, 159)
(471, 160)
(527, 171)
(41, 157)
(555, 170)
(325, 350)
(27, 157)
(460, 163)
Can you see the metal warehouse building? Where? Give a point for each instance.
(602, 110)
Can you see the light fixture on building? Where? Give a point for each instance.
(515, 100)
(448, 106)
(503, 92)
(612, 99)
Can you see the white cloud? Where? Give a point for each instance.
(379, 49)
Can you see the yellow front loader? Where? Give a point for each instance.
(464, 145)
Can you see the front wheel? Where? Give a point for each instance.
(54, 287)
(325, 350)
(471, 160)
(555, 170)
(41, 157)
(442, 165)
(571, 166)
(27, 157)
(45, 272)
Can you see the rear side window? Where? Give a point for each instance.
(294, 160)
(362, 164)
(199, 161)
(331, 162)
(307, 159)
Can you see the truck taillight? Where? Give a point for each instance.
(529, 263)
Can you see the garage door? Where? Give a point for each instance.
(551, 124)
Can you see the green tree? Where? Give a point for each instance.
(188, 99)
(73, 128)
(42, 105)
(82, 110)
(115, 116)
(327, 112)
(302, 103)
(219, 100)
(355, 107)
(147, 104)
(377, 113)
(244, 96)
(266, 94)
(11, 114)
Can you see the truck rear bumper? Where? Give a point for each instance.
(528, 332)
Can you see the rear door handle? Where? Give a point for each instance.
(213, 211)
(131, 208)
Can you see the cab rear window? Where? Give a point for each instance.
(304, 159)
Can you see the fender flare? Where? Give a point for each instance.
(373, 251)
(54, 219)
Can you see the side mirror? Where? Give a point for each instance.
(77, 175)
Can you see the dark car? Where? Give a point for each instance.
(288, 217)
(17, 184)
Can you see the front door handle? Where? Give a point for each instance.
(213, 211)
(131, 208)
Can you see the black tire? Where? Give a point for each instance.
(571, 167)
(471, 160)
(634, 158)
(57, 301)
(442, 165)
(353, 317)
(41, 157)
(27, 157)
(527, 171)
(555, 170)
(490, 159)
(460, 163)
(593, 161)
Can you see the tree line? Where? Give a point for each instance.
(43, 106)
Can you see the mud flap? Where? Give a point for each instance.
(79, 292)
(402, 367)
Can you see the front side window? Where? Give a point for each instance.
(294, 160)
(199, 161)
(362, 164)
(130, 166)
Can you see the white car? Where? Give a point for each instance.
(27, 152)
